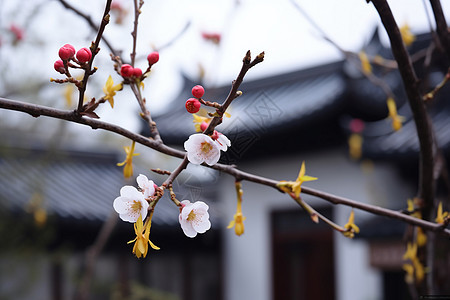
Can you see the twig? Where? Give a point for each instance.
(91, 24)
(145, 113)
(94, 50)
(92, 254)
(247, 64)
(38, 110)
(441, 26)
(137, 12)
(421, 117)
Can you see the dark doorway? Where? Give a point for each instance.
(303, 263)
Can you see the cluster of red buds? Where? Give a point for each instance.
(67, 54)
(17, 32)
(128, 71)
(212, 36)
(193, 104)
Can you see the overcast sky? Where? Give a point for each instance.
(276, 27)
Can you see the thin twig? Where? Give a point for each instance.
(421, 117)
(92, 254)
(91, 23)
(441, 26)
(247, 64)
(137, 12)
(39, 110)
(94, 49)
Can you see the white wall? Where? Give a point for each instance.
(248, 257)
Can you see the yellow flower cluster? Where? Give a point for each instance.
(238, 219)
(142, 239)
(296, 186)
(128, 162)
(350, 227)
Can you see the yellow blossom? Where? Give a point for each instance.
(412, 209)
(365, 63)
(396, 119)
(421, 237)
(350, 227)
(441, 216)
(407, 36)
(411, 252)
(198, 120)
(420, 270)
(68, 94)
(416, 268)
(128, 162)
(36, 207)
(142, 239)
(296, 186)
(238, 219)
(409, 269)
(110, 90)
(355, 145)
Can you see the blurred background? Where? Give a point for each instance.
(58, 180)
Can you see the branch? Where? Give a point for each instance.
(247, 64)
(37, 110)
(91, 24)
(421, 118)
(137, 12)
(441, 26)
(94, 49)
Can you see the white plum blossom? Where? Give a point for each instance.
(202, 148)
(131, 204)
(194, 218)
(147, 186)
(223, 142)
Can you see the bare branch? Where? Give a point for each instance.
(441, 26)
(91, 24)
(421, 118)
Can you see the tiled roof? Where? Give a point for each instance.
(269, 104)
(294, 101)
(75, 185)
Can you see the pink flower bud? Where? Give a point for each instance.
(193, 105)
(59, 66)
(357, 125)
(203, 126)
(17, 31)
(153, 58)
(126, 70)
(213, 37)
(137, 72)
(66, 52)
(84, 55)
(198, 91)
(215, 135)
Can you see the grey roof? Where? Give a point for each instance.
(266, 105)
(294, 101)
(76, 185)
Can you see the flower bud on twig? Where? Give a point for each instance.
(66, 52)
(84, 55)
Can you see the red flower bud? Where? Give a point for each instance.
(126, 70)
(215, 135)
(153, 58)
(198, 91)
(66, 52)
(193, 105)
(356, 125)
(84, 55)
(59, 66)
(203, 126)
(137, 72)
(17, 31)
